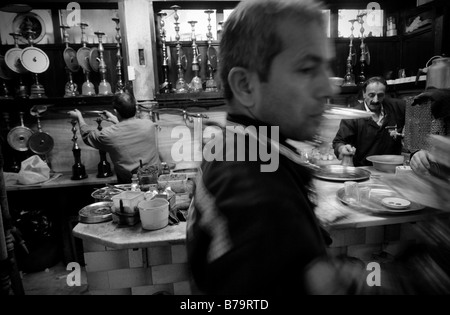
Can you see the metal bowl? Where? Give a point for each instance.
(386, 163)
(106, 193)
(96, 213)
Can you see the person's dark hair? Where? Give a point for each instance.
(125, 105)
(250, 38)
(373, 80)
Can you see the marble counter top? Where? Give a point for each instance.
(65, 181)
(330, 211)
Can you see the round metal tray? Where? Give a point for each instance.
(96, 213)
(373, 204)
(341, 173)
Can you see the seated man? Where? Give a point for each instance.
(128, 141)
(377, 135)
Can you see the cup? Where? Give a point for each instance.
(154, 213)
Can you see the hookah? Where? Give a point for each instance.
(166, 87)
(211, 85)
(104, 88)
(196, 83)
(4, 76)
(87, 89)
(180, 85)
(71, 88)
(17, 67)
(103, 168)
(349, 79)
(37, 90)
(120, 87)
(78, 170)
(365, 56)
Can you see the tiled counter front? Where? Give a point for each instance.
(140, 271)
(367, 243)
(164, 270)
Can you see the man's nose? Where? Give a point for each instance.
(375, 99)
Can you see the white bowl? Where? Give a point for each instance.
(386, 163)
(154, 213)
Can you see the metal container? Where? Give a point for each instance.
(96, 213)
(438, 75)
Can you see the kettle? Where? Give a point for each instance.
(438, 74)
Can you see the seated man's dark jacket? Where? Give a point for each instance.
(367, 137)
(263, 224)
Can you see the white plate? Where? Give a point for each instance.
(374, 203)
(396, 203)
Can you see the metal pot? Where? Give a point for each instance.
(438, 73)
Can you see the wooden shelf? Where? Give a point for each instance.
(25, 104)
(184, 100)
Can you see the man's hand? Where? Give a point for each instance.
(108, 116)
(346, 149)
(75, 114)
(420, 162)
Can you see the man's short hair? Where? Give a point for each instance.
(250, 38)
(374, 80)
(125, 104)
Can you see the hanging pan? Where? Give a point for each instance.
(94, 59)
(18, 136)
(70, 58)
(40, 142)
(34, 59)
(83, 58)
(12, 59)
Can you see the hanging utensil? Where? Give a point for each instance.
(12, 56)
(19, 136)
(40, 142)
(69, 54)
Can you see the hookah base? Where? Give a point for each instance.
(78, 177)
(78, 173)
(104, 175)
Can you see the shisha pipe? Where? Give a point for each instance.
(364, 58)
(211, 85)
(120, 87)
(21, 89)
(103, 168)
(87, 89)
(71, 88)
(196, 83)
(166, 87)
(78, 170)
(180, 85)
(37, 89)
(104, 88)
(349, 79)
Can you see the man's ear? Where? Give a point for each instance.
(242, 83)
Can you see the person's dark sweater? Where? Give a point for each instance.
(253, 232)
(367, 137)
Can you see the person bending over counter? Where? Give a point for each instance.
(127, 141)
(377, 135)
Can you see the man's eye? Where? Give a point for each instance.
(307, 70)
